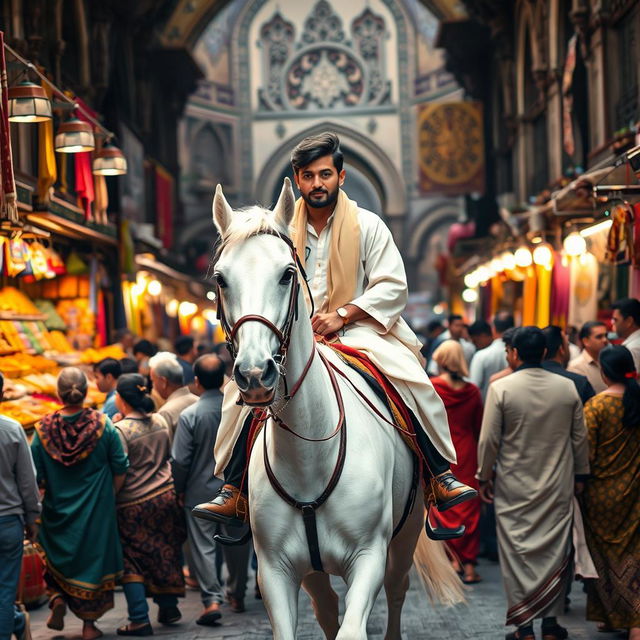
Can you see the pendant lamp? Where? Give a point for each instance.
(74, 136)
(28, 102)
(109, 161)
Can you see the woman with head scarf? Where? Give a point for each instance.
(80, 463)
(611, 499)
(463, 403)
(151, 523)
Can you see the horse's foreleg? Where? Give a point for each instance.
(396, 578)
(280, 595)
(364, 579)
(324, 601)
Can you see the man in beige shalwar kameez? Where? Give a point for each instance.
(358, 284)
(533, 432)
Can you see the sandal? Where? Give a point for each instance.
(58, 611)
(554, 633)
(128, 630)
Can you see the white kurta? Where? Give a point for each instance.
(381, 291)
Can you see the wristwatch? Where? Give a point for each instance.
(344, 314)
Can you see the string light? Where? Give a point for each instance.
(523, 257)
(470, 295)
(543, 255)
(574, 244)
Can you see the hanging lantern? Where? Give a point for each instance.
(109, 161)
(74, 136)
(574, 244)
(28, 102)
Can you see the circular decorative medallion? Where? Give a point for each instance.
(451, 148)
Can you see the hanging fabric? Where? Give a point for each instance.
(529, 297)
(47, 168)
(101, 203)
(560, 279)
(583, 299)
(9, 200)
(85, 190)
(543, 303)
(620, 242)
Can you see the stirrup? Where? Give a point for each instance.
(233, 542)
(442, 533)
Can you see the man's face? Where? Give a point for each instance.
(104, 383)
(596, 341)
(319, 182)
(456, 329)
(512, 357)
(622, 326)
(159, 384)
(481, 341)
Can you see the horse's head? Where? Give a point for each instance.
(257, 285)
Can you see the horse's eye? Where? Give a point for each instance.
(220, 280)
(286, 276)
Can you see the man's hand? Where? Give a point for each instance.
(325, 323)
(486, 491)
(32, 532)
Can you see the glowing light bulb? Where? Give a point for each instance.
(154, 288)
(542, 255)
(172, 308)
(523, 257)
(497, 265)
(508, 260)
(471, 280)
(574, 244)
(470, 295)
(483, 274)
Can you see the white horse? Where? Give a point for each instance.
(264, 310)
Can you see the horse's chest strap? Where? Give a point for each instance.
(308, 509)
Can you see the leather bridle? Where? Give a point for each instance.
(282, 334)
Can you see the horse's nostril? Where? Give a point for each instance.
(270, 374)
(241, 380)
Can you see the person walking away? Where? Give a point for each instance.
(593, 336)
(533, 432)
(150, 521)
(107, 372)
(195, 481)
(556, 360)
(611, 500)
(626, 322)
(185, 347)
(80, 463)
(463, 403)
(492, 359)
(167, 378)
(19, 510)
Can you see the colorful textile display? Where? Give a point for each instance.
(84, 176)
(164, 205)
(583, 299)
(47, 168)
(560, 281)
(9, 201)
(543, 305)
(620, 244)
(529, 297)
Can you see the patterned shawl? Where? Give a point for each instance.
(67, 441)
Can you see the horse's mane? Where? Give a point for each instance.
(247, 222)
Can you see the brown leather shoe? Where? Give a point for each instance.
(448, 491)
(229, 507)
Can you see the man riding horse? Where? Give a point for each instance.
(357, 280)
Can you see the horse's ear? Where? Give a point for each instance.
(286, 205)
(222, 212)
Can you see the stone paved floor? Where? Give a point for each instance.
(481, 619)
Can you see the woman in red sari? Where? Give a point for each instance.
(463, 403)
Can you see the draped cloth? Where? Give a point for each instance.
(344, 253)
(47, 168)
(9, 201)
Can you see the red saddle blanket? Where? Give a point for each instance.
(402, 418)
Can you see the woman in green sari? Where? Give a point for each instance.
(81, 465)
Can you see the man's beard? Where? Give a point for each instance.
(320, 203)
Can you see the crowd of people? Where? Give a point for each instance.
(107, 493)
(549, 431)
(540, 425)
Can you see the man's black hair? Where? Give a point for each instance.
(480, 328)
(183, 345)
(145, 347)
(433, 325)
(554, 339)
(314, 147)
(109, 366)
(209, 369)
(628, 307)
(502, 321)
(128, 365)
(453, 317)
(507, 336)
(587, 327)
(530, 344)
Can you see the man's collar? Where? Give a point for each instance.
(633, 336)
(179, 392)
(588, 358)
(529, 365)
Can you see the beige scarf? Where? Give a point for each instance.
(344, 252)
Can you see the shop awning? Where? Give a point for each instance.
(148, 262)
(590, 193)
